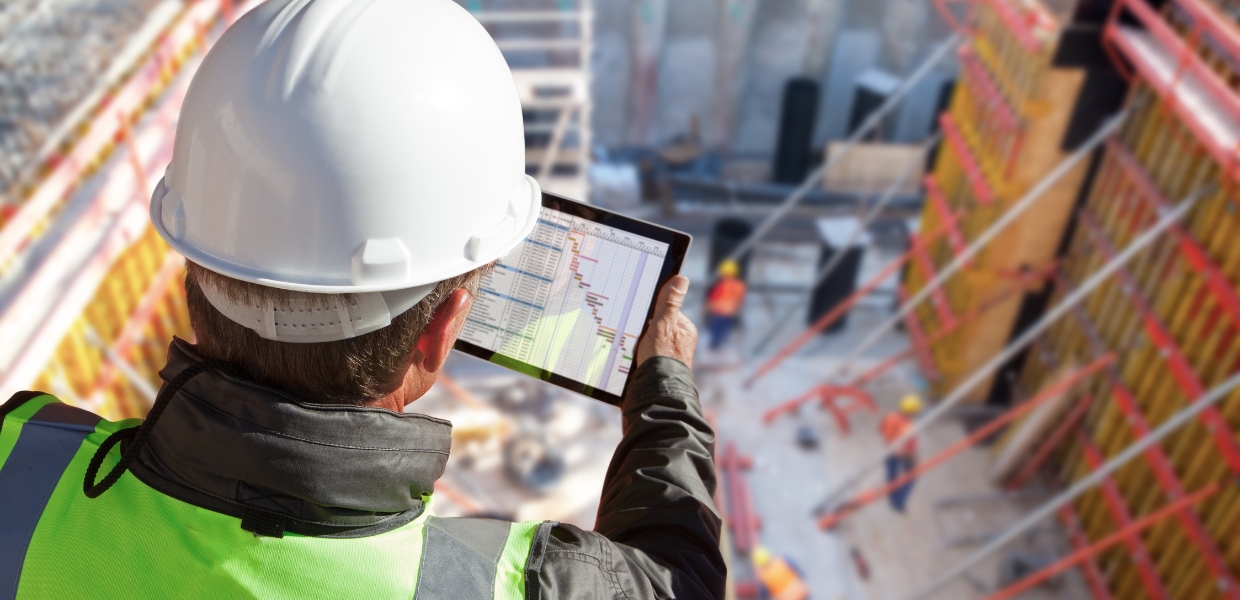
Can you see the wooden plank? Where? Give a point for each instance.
(872, 167)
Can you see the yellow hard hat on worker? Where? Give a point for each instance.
(760, 556)
(729, 268)
(910, 404)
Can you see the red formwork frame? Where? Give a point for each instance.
(918, 336)
(1219, 27)
(1019, 24)
(934, 193)
(972, 168)
(1044, 450)
(987, 89)
(938, 298)
(1093, 575)
(1088, 551)
(1164, 472)
(918, 347)
(992, 96)
(1186, 61)
(1122, 517)
(1190, 385)
(1196, 256)
(955, 238)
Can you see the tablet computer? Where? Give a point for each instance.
(568, 305)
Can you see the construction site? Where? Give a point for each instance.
(1001, 225)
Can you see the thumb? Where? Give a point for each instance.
(671, 297)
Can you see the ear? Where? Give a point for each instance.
(440, 334)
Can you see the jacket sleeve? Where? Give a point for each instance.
(657, 532)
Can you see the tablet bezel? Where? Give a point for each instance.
(678, 246)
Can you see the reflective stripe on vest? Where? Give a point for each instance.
(135, 542)
(45, 445)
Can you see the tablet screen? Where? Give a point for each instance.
(571, 300)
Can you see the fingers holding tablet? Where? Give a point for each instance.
(670, 332)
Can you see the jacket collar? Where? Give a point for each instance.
(232, 445)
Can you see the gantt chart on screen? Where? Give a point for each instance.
(571, 299)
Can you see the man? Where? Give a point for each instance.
(344, 173)
(723, 303)
(893, 426)
(780, 578)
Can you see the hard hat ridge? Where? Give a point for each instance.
(330, 146)
(349, 147)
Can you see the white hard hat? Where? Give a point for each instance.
(365, 147)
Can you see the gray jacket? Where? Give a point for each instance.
(657, 531)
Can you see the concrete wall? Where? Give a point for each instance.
(659, 64)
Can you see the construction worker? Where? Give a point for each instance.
(903, 459)
(344, 172)
(780, 579)
(723, 302)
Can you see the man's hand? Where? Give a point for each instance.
(670, 332)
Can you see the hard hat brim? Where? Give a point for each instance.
(286, 282)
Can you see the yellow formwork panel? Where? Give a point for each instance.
(1006, 119)
(1181, 303)
(137, 309)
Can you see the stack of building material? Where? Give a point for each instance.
(1172, 315)
(1005, 131)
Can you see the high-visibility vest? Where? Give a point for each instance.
(135, 542)
(892, 427)
(781, 581)
(726, 297)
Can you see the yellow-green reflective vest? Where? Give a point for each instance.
(135, 542)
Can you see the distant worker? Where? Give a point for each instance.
(723, 303)
(903, 459)
(344, 174)
(779, 577)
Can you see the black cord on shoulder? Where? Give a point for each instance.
(138, 436)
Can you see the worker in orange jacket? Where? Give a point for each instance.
(780, 579)
(903, 459)
(723, 303)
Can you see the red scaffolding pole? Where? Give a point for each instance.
(1122, 518)
(1181, 370)
(840, 309)
(1196, 256)
(1131, 530)
(918, 347)
(1093, 575)
(1165, 474)
(831, 519)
